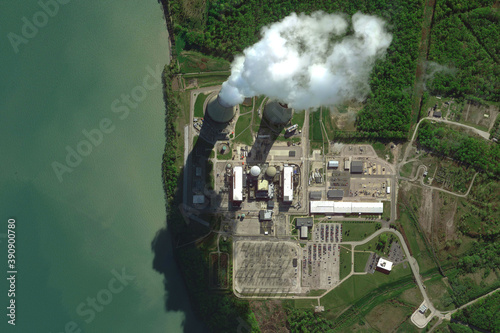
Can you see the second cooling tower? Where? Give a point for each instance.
(277, 113)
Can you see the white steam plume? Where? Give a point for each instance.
(308, 61)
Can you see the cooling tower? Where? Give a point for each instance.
(219, 111)
(277, 113)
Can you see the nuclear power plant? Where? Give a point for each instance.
(219, 111)
(277, 113)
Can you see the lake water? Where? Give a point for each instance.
(82, 82)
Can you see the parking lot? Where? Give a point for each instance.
(266, 267)
(320, 265)
(321, 257)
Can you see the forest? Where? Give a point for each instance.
(484, 314)
(464, 51)
(228, 26)
(446, 141)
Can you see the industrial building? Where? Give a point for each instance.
(277, 113)
(335, 194)
(356, 167)
(315, 195)
(287, 184)
(265, 215)
(238, 184)
(302, 224)
(219, 111)
(384, 266)
(333, 164)
(342, 207)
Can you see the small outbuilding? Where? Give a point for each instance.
(333, 164)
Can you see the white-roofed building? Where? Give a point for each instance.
(238, 183)
(384, 266)
(368, 207)
(344, 207)
(321, 207)
(288, 184)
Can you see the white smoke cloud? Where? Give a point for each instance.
(309, 61)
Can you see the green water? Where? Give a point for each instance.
(73, 236)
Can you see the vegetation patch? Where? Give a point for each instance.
(345, 261)
(356, 231)
(360, 260)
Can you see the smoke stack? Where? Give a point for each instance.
(308, 61)
(219, 110)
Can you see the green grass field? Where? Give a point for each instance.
(242, 132)
(356, 231)
(305, 303)
(198, 105)
(417, 244)
(298, 118)
(345, 261)
(360, 259)
(386, 214)
(372, 245)
(315, 130)
(439, 294)
(358, 286)
(194, 62)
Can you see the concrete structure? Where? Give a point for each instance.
(335, 194)
(198, 199)
(347, 164)
(315, 195)
(422, 308)
(219, 111)
(265, 215)
(263, 185)
(356, 167)
(304, 221)
(277, 113)
(287, 184)
(238, 183)
(255, 171)
(303, 232)
(271, 172)
(333, 164)
(342, 207)
(384, 266)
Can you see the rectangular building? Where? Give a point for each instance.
(356, 167)
(303, 232)
(315, 195)
(384, 266)
(288, 184)
(343, 207)
(333, 164)
(238, 183)
(335, 194)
